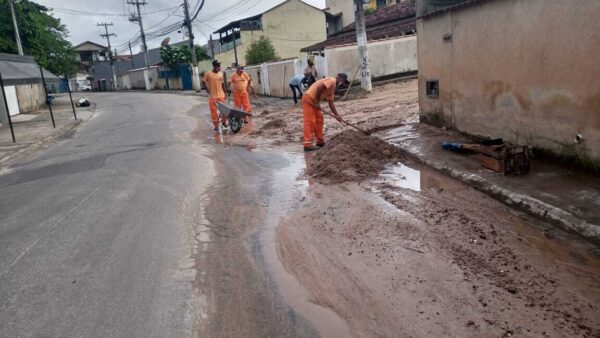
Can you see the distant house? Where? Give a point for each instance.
(88, 53)
(22, 84)
(289, 25)
(526, 71)
(101, 72)
(391, 39)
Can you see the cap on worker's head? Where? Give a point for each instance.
(216, 63)
(343, 76)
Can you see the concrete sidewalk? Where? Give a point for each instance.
(567, 197)
(34, 131)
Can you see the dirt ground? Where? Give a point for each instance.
(443, 261)
(280, 123)
(395, 255)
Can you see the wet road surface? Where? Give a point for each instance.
(94, 237)
(146, 223)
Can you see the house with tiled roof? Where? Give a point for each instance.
(525, 71)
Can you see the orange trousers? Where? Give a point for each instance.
(214, 114)
(241, 99)
(313, 122)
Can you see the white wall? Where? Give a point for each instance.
(387, 57)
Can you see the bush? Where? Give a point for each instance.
(261, 51)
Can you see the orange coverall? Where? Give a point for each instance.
(214, 82)
(239, 83)
(313, 117)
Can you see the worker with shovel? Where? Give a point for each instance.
(313, 116)
(240, 83)
(215, 87)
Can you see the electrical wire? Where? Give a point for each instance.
(78, 12)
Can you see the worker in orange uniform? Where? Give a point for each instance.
(313, 117)
(215, 87)
(240, 83)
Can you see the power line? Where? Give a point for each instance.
(78, 12)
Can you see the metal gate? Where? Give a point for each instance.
(186, 77)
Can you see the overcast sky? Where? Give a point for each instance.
(81, 17)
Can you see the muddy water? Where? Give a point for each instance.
(285, 196)
(250, 293)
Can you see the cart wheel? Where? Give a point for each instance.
(235, 124)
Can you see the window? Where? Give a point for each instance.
(433, 88)
(381, 3)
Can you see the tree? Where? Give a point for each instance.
(175, 56)
(261, 51)
(201, 53)
(42, 36)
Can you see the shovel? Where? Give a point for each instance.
(346, 122)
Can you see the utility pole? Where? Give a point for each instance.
(188, 23)
(117, 61)
(235, 48)
(107, 36)
(361, 40)
(14, 20)
(212, 48)
(138, 18)
(131, 55)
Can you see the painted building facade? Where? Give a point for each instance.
(526, 71)
(290, 26)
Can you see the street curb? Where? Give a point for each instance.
(10, 159)
(525, 203)
(6, 160)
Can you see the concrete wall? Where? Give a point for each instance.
(257, 78)
(290, 26)
(280, 74)
(523, 70)
(136, 78)
(31, 97)
(387, 57)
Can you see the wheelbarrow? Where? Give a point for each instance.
(235, 116)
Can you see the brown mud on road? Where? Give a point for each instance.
(338, 250)
(437, 258)
(351, 155)
(281, 122)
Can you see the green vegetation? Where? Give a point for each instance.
(370, 11)
(175, 56)
(261, 51)
(42, 36)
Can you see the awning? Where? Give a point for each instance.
(18, 70)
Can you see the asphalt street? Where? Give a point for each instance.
(96, 233)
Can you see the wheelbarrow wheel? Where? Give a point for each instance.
(235, 124)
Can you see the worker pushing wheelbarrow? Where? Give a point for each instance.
(234, 116)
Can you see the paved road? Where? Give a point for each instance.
(96, 237)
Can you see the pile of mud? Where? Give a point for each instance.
(273, 124)
(351, 156)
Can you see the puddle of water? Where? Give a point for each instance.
(400, 134)
(288, 191)
(417, 178)
(401, 176)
